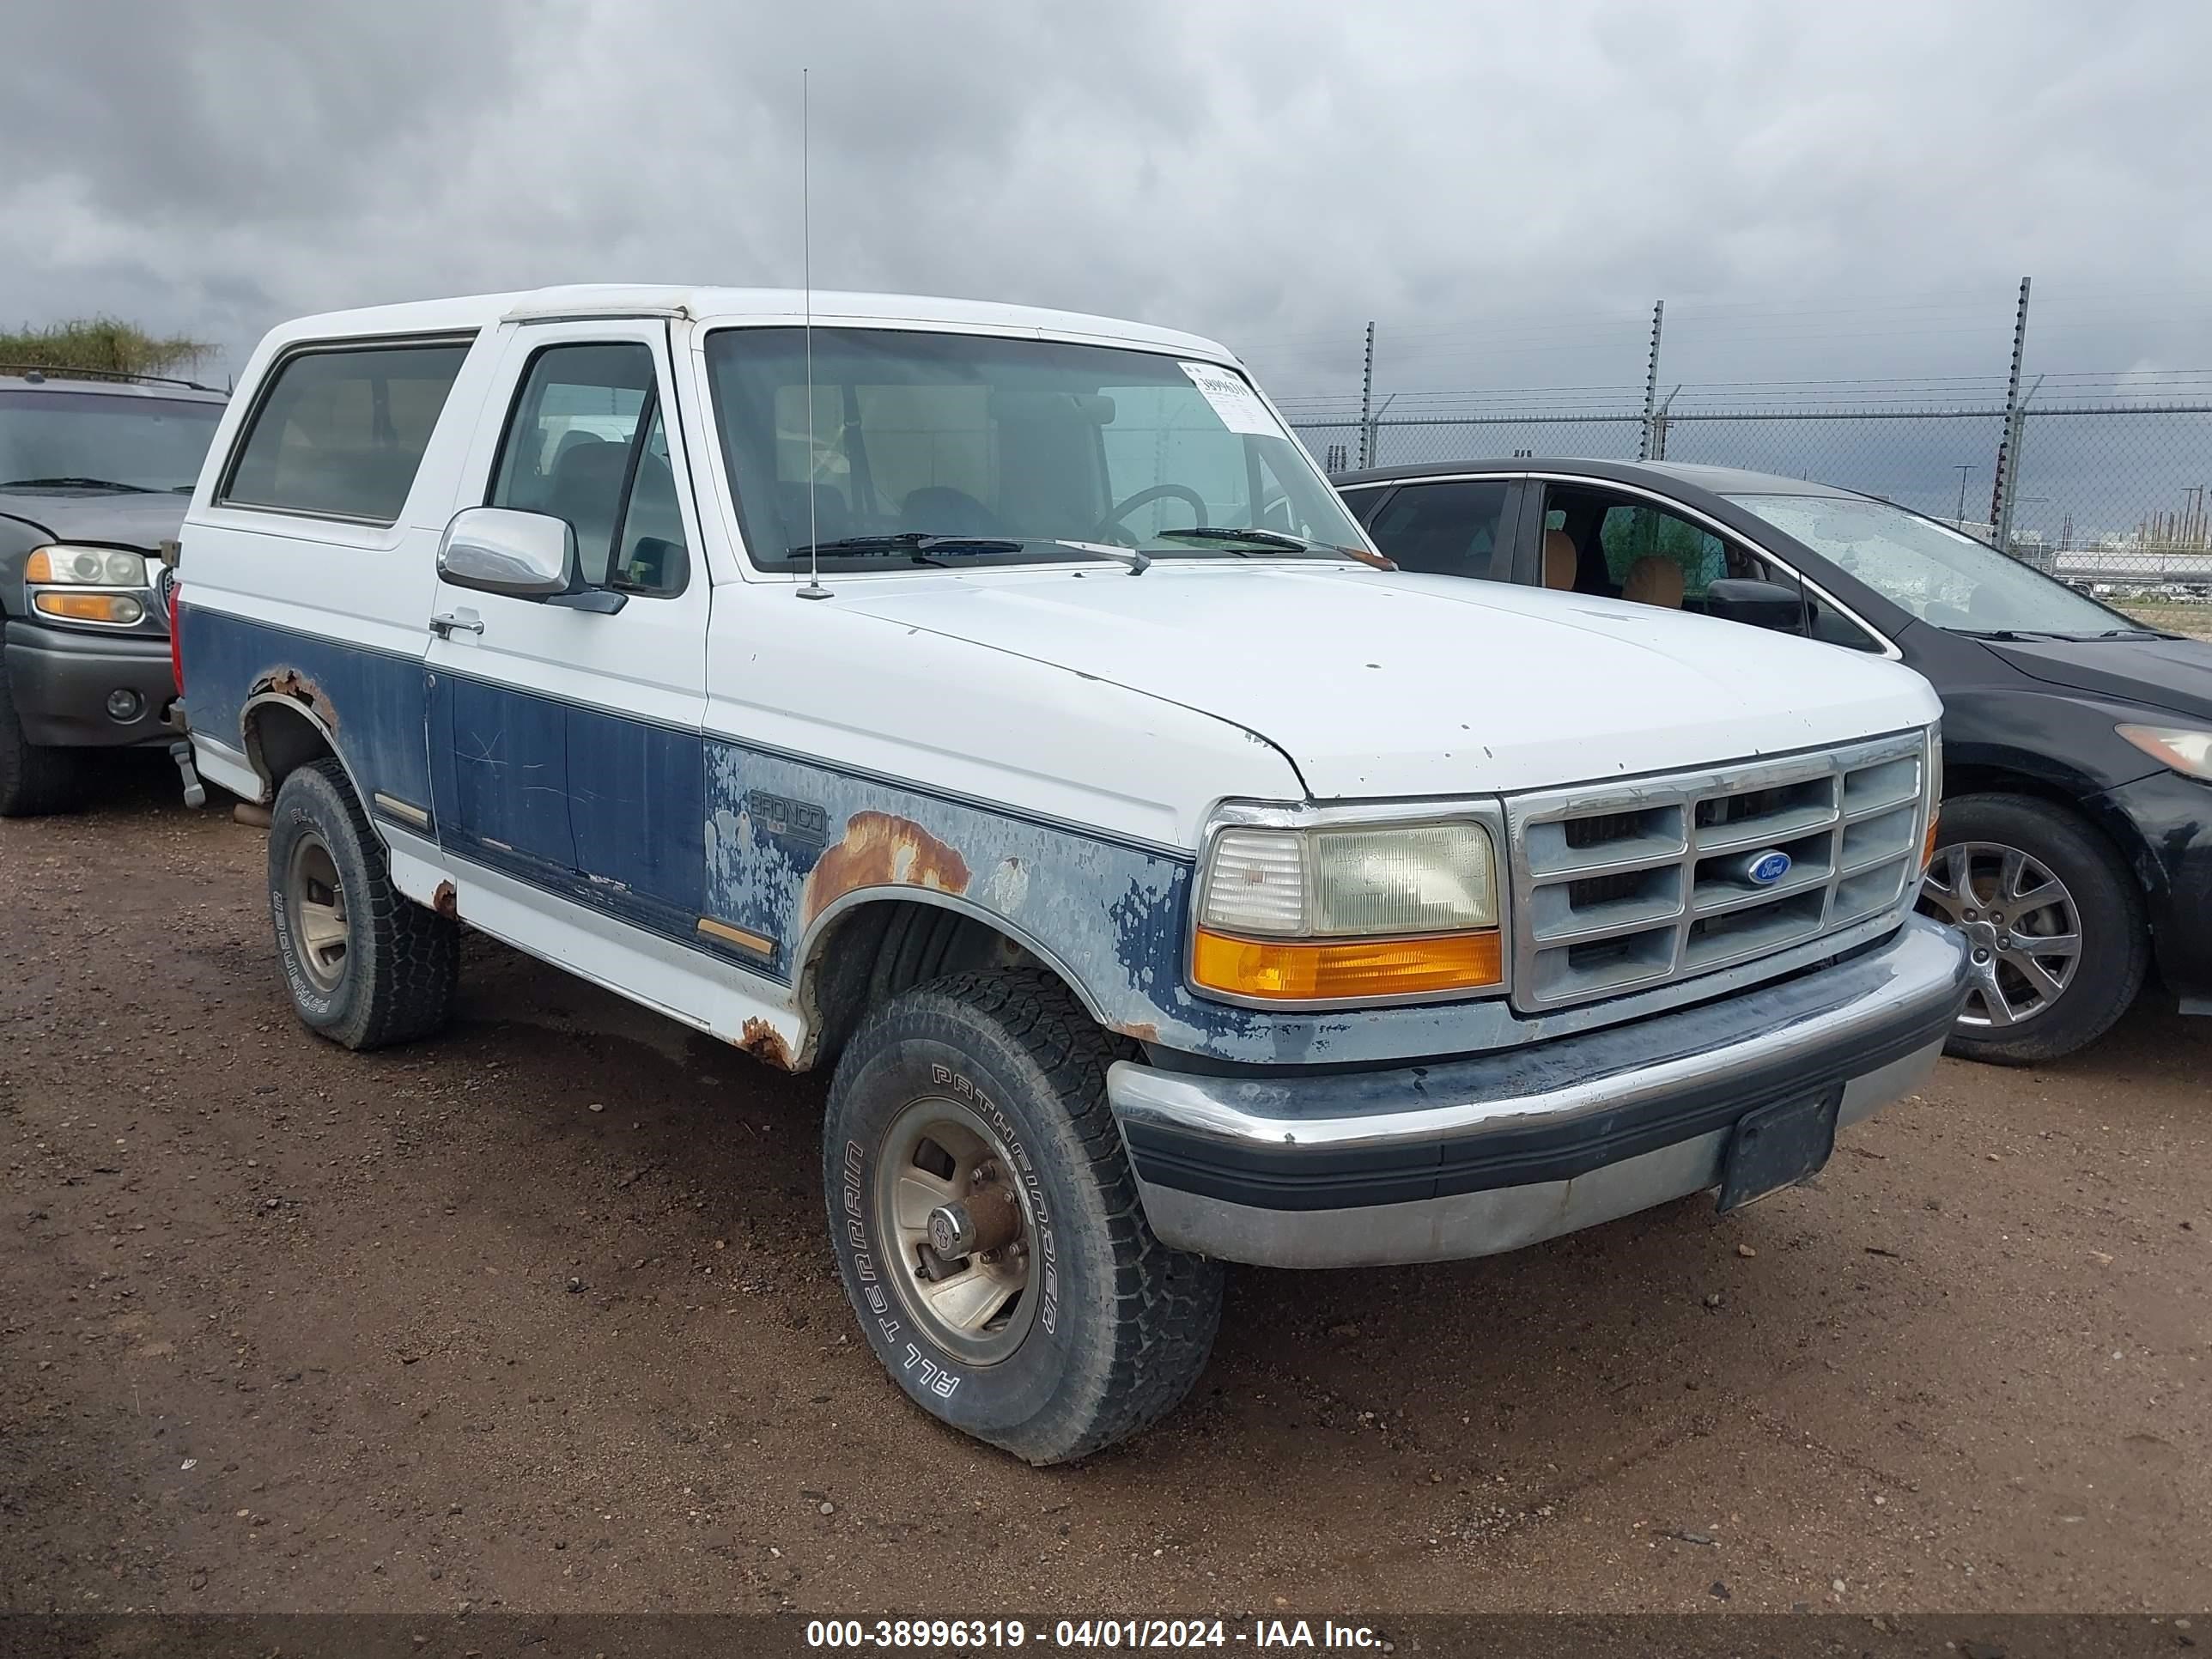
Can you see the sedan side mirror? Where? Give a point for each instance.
(498, 550)
(1762, 605)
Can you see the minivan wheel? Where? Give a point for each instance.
(366, 965)
(34, 780)
(987, 1225)
(2055, 925)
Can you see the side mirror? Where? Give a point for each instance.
(497, 550)
(1762, 605)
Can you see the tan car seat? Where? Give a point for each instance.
(1560, 560)
(1654, 581)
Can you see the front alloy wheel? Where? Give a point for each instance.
(2055, 925)
(2023, 929)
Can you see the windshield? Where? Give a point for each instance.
(937, 449)
(1936, 574)
(104, 439)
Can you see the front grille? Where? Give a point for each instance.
(1620, 887)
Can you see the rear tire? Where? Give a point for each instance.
(366, 965)
(34, 780)
(2076, 884)
(997, 1080)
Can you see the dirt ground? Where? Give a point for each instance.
(284, 1327)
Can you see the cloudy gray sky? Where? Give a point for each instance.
(1817, 189)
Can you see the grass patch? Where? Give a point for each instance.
(99, 345)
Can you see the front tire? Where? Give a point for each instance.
(366, 965)
(34, 780)
(1066, 1325)
(2056, 925)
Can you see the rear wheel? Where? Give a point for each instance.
(988, 1227)
(2055, 927)
(34, 780)
(366, 965)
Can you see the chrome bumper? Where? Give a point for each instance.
(1471, 1157)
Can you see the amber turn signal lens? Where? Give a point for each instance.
(1928, 847)
(90, 607)
(1312, 970)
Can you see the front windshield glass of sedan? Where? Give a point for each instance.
(1936, 574)
(112, 441)
(952, 449)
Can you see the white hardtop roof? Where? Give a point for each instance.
(830, 309)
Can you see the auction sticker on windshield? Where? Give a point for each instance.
(1233, 399)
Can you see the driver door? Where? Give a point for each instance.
(565, 740)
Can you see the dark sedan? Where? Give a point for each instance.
(2075, 850)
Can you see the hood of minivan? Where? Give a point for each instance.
(2175, 674)
(1379, 684)
(106, 517)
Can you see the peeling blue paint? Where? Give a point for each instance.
(374, 698)
(660, 827)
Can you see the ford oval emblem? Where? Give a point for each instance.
(1768, 868)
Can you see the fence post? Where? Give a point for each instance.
(2015, 429)
(2006, 484)
(1366, 396)
(1652, 447)
(1371, 435)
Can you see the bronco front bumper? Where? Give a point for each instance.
(1469, 1157)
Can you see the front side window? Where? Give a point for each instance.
(1445, 529)
(928, 448)
(1939, 575)
(587, 444)
(340, 433)
(1629, 548)
(106, 440)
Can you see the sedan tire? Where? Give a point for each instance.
(2055, 922)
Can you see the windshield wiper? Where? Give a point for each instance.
(923, 547)
(2011, 633)
(74, 483)
(1255, 540)
(916, 542)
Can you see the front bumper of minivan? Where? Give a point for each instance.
(1469, 1157)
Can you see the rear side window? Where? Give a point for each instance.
(1443, 529)
(339, 434)
(1635, 530)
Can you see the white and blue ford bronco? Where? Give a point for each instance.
(996, 707)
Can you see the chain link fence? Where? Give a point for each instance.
(2110, 497)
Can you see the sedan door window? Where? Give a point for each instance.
(1632, 548)
(1445, 529)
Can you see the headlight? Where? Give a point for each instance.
(1347, 912)
(2183, 749)
(86, 567)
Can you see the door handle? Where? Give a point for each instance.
(444, 626)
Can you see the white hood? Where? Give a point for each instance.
(1378, 686)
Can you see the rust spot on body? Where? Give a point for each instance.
(880, 850)
(443, 901)
(1144, 1030)
(764, 1042)
(291, 683)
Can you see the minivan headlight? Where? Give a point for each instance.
(1347, 912)
(86, 567)
(2183, 749)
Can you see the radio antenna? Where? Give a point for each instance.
(813, 590)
